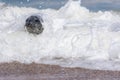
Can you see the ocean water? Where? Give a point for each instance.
(92, 5)
(73, 36)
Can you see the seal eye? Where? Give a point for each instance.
(36, 20)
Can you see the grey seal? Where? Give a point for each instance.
(34, 24)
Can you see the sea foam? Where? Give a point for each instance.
(73, 36)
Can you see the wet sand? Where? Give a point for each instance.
(19, 71)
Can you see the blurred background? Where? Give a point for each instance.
(93, 5)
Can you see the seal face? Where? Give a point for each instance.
(33, 25)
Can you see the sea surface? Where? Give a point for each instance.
(75, 35)
(94, 5)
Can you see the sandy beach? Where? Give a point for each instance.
(33, 71)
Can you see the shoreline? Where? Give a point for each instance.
(33, 71)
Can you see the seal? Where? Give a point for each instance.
(34, 24)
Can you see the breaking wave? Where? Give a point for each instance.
(73, 36)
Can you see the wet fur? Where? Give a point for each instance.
(34, 25)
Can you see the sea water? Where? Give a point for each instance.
(73, 36)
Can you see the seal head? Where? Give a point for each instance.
(33, 25)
